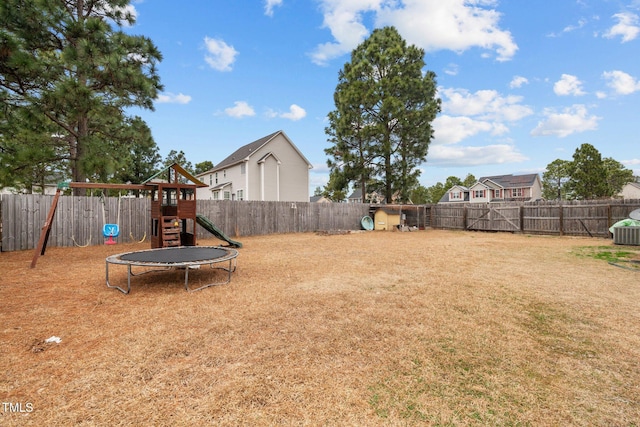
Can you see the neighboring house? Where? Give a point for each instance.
(319, 199)
(49, 190)
(374, 197)
(631, 190)
(355, 197)
(270, 169)
(456, 194)
(499, 188)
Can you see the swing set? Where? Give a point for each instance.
(173, 210)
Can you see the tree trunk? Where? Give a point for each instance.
(78, 173)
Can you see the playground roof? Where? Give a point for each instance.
(180, 170)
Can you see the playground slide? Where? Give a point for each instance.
(211, 228)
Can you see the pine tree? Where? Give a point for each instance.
(70, 74)
(385, 105)
(588, 176)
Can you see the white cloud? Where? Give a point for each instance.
(456, 25)
(569, 28)
(344, 20)
(473, 156)
(452, 70)
(269, 5)
(295, 113)
(485, 104)
(561, 124)
(453, 24)
(627, 27)
(451, 130)
(239, 110)
(468, 115)
(220, 56)
(621, 82)
(171, 98)
(568, 85)
(518, 81)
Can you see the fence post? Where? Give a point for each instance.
(521, 213)
(464, 218)
(561, 219)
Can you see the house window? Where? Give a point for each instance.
(224, 173)
(478, 194)
(517, 192)
(210, 179)
(240, 194)
(216, 177)
(455, 195)
(243, 168)
(496, 194)
(227, 195)
(216, 195)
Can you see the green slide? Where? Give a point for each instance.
(211, 228)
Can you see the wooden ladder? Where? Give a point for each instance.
(170, 231)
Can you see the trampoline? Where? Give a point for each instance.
(163, 259)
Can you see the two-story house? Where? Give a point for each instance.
(499, 188)
(269, 169)
(630, 190)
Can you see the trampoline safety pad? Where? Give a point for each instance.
(187, 257)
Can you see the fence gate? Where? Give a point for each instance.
(493, 218)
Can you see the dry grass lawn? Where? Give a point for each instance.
(382, 328)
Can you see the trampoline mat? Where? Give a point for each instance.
(176, 255)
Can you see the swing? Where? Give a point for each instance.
(110, 232)
(73, 234)
(133, 239)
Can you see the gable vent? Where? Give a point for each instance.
(626, 235)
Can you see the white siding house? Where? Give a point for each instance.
(270, 169)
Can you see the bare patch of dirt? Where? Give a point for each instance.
(376, 328)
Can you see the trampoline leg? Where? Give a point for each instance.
(230, 269)
(109, 285)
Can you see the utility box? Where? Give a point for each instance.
(626, 235)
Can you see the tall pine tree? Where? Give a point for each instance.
(68, 71)
(385, 105)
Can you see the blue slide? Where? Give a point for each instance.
(211, 228)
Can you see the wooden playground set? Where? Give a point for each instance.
(173, 211)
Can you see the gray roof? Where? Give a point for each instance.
(465, 193)
(246, 150)
(357, 194)
(512, 181)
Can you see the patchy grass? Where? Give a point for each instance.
(622, 256)
(382, 328)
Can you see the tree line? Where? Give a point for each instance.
(587, 177)
(69, 75)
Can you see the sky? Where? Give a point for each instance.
(522, 83)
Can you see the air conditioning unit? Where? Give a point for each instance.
(626, 235)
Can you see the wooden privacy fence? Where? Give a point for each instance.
(585, 218)
(79, 220)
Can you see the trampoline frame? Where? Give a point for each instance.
(230, 257)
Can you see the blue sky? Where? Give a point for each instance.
(522, 83)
